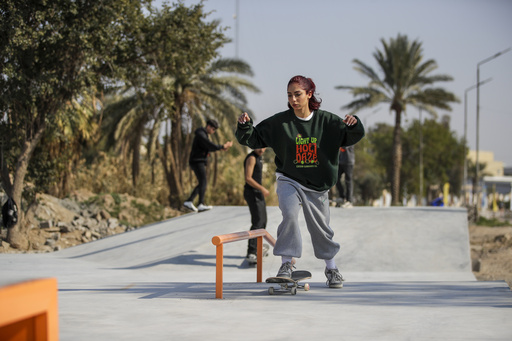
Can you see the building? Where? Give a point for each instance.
(495, 181)
(492, 167)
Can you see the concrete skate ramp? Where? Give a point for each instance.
(379, 240)
(407, 278)
(403, 239)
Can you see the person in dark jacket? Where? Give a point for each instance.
(201, 148)
(347, 160)
(254, 195)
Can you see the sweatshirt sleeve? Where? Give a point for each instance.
(248, 135)
(353, 134)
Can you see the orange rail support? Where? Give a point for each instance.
(219, 241)
(29, 311)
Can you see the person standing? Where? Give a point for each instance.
(254, 195)
(306, 141)
(347, 161)
(201, 148)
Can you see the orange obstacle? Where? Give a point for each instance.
(219, 241)
(29, 311)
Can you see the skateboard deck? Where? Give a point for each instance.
(289, 284)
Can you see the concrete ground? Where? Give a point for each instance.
(407, 270)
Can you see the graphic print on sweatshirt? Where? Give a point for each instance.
(306, 152)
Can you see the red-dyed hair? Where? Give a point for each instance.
(309, 86)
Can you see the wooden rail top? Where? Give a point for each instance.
(233, 237)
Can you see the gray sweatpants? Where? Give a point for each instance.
(315, 205)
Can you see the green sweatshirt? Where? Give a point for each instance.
(306, 151)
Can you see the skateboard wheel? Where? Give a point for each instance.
(293, 291)
(271, 291)
(306, 287)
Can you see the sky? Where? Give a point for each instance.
(320, 39)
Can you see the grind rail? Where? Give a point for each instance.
(219, 241)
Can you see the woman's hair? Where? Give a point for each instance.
(309, 86)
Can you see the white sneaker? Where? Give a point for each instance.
(190, 206)
(203, 207)
(252, 258)
(347, 204)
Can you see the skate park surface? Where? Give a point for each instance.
(407, 277)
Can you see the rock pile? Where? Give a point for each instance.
(87, 225)
(55, 223)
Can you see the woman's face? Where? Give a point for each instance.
(298, 98)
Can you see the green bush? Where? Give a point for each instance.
(482, 221)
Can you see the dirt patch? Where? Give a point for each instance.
(491, 253)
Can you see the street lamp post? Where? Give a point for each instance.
(478, 125)
(465, 178)
(420, 201)
(237, 18)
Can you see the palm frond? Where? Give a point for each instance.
(230, 65)
(404, 78)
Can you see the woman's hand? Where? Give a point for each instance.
(244, 118)
(350, 120)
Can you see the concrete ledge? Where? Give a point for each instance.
(28, 311)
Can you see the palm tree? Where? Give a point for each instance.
(405, 80)
(130, 120)
(175, 81)
(217, 93)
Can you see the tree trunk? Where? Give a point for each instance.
(16, 236)
(176, 137)
(397, 159)
(172, 157)
(215, 169)
(136, 143)
(171, 175)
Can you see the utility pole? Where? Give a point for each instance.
(465, 177)
(421, 161)
(236, 16)
(477, 208)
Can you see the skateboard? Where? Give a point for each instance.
(289, 284)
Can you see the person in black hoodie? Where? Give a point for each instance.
(254, 195)
(201, 148)
(347, 160)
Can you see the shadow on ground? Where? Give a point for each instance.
(418, 294)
